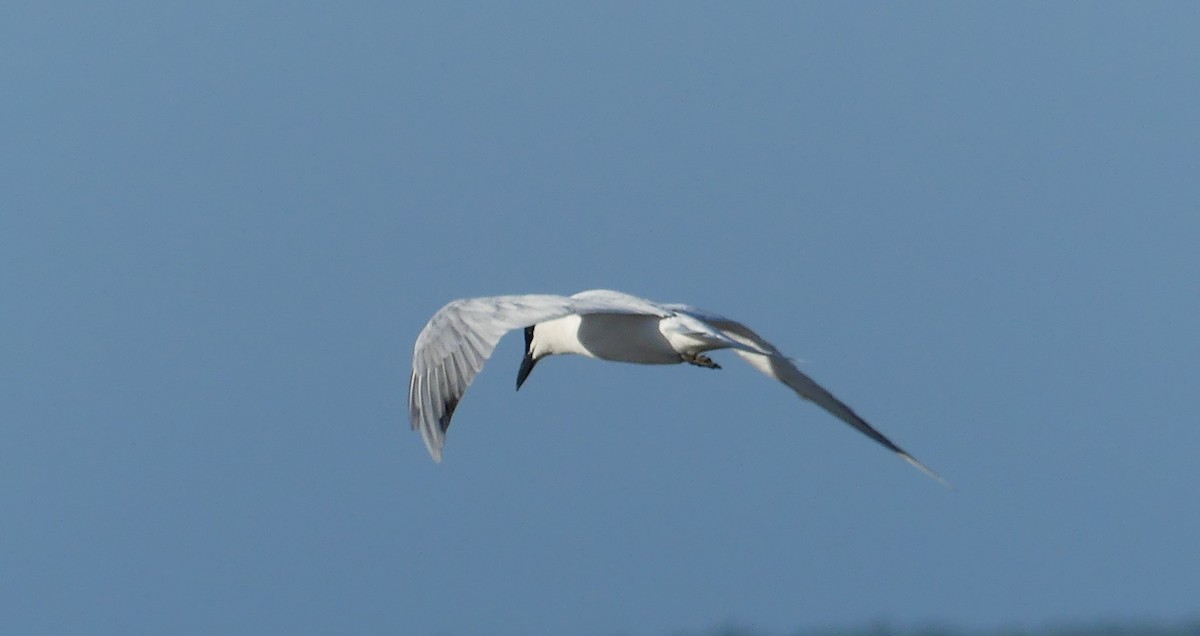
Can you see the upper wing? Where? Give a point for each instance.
(457, 341)
(778, 366)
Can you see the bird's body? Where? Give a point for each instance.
(636, 338)
(603, 324)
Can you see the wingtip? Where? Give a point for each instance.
(432, 443)
(927, 470)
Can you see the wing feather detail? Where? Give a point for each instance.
(780, 367)
(458, 340)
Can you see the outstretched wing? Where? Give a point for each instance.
(457, 341)
(778, 366)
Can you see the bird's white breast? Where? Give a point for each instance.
(617, 337)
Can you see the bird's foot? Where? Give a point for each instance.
(699, 360)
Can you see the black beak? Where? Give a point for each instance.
(529, 361)
(526, 367)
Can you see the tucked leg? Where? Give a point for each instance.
(699, 360)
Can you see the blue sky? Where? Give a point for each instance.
(224, 224)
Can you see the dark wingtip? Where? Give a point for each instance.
(444, 420)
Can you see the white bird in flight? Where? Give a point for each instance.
(609, 325)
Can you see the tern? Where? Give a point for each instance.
(608, 325)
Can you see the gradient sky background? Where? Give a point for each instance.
(223, 225)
